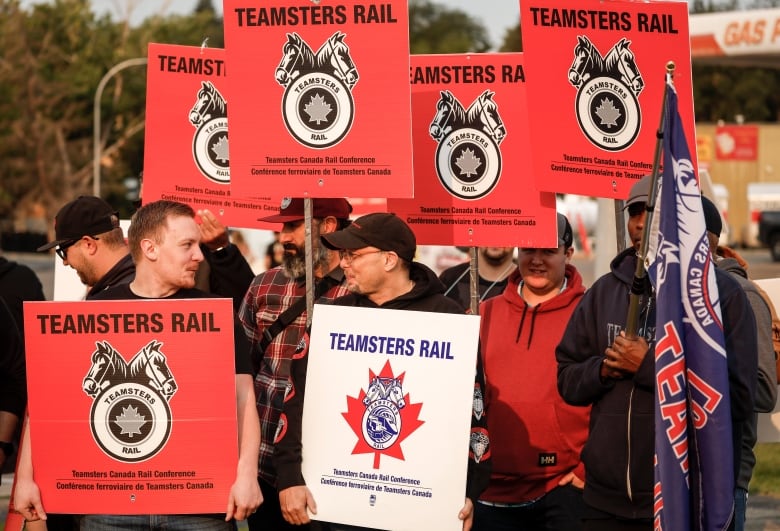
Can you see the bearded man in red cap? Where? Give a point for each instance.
(274, 317)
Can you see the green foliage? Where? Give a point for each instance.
(513, 41)
(722, 93)
(52, 59)
(434, 28)
(54, 56)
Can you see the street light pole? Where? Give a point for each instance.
(96, 118)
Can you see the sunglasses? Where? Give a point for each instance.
(62, 249)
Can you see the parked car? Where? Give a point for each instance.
(769, 231)
(762, 197)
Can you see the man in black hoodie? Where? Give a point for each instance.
(598, 365)
(377, 256)
(18, 283)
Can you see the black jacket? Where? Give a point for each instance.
(229, 274)
(123, 272)
(618, 455)
(18, 283)
(427, 295)
(13, 383)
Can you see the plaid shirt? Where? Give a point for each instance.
(270, 294)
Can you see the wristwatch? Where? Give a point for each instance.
(221, 251)
(7, 448)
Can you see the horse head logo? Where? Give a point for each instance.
(152, 365)
(209, 104)
(385, 389)
(297, 58)
(336, 52)
(450, 115)
(621, 63)
(587, 61)
(107, 363)
(485, 110)
(607, 107)
(317, 106)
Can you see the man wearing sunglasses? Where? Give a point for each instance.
(88, 238)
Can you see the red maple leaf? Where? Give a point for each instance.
(409, 415)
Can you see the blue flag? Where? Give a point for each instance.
(694, 483)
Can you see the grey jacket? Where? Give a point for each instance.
(766, 385)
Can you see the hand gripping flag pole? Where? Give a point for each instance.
(637, 287)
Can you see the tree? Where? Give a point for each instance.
(434, 28)
(52, 60)
(513, 41)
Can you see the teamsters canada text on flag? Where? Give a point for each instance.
(693, 448)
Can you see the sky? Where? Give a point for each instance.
(495, 15)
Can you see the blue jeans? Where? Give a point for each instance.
(559, 510)
(740, 508)
(161, 522)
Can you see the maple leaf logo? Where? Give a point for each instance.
(468, 163)
(130, 421)
(220, 149)
(317, 109)
(381, 418)
(608, 113)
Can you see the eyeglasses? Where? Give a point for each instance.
(62, 249)
(349, 256)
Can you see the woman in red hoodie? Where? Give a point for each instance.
(536, 438)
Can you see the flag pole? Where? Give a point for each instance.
(637, 288)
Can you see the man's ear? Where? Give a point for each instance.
(92, 247)
(391, 260)
(149, 249)
(329, 224)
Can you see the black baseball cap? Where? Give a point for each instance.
(565, 234)
(384, 231)
(85, 216)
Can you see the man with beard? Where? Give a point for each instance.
(494, 264)
(274, 317)
(88, 238)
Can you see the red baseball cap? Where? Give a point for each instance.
(291, 209)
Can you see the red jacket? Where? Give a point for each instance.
(536, 438)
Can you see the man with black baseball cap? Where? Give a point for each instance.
(88, 238)
(377, 256)
(273, 314)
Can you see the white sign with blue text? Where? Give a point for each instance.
(387, 416)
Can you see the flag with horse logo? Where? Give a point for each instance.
(693, 444)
